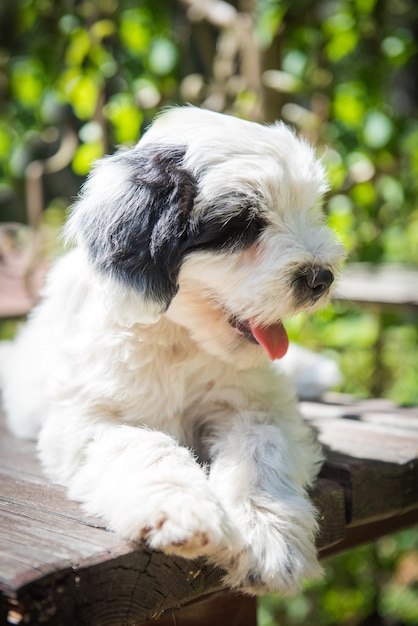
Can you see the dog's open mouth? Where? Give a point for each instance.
(273, 338)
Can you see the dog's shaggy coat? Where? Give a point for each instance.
(145, 371)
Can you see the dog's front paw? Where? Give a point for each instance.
(185, 520)
(187, 524)
(278, 550)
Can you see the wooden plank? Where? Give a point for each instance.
(363, 440)
(216, 610)
(383, 285)
(369, 455)
(329, 498)
(51, 499)
(35, 543)
(130, 588)
(60, 566)
(364, 533)
(373, 490)
(17, 456)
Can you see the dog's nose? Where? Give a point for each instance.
(312, 282)
(319, 280)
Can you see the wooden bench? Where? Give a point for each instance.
(61, 567)
(386, 286)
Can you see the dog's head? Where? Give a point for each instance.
(214, 222)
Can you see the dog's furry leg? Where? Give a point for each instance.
(255, 475)
(145, 485)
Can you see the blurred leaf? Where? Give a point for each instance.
(68, 23)
(359, 331)
(363, 193)
(90, 132)
(269, 17)
(294, 62)
(390, 190)
(81, 90)
(360, 166)
(342, 34)
(341, 605)
(162, 56)
(27, 81)
(349, 104)
(85, 155)
(135, 31)
(400, 602)
(102, 29)
(125, 117)
(146, 93)
(281, 81)
(335, 167)
(377, 129)
(365, 6)
(6, 139)
(341, 219)
(78, 47)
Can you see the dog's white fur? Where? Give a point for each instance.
(153, 410)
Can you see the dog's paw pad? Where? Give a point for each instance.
(172, 540)
(183, 522)
(190, 546)
(146, 530)
(199, 540)
(168, 534)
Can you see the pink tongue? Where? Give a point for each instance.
(272, 338)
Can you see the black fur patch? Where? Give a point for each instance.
(141, 238)
(234, 223)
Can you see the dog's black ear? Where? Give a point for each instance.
(133, 219)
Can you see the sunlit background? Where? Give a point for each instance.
(80, 77)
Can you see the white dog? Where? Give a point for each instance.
(145, 372)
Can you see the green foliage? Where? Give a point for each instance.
(91, 58)
(342, 71)
(379, 580)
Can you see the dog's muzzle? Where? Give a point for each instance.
(311, 283)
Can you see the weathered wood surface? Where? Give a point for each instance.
(60, 567)
(386, 286)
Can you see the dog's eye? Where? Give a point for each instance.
(237, 231)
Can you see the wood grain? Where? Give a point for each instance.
(386, 286)
(59, 566)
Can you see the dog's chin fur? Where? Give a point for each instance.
(153, 401)
(207, 324)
